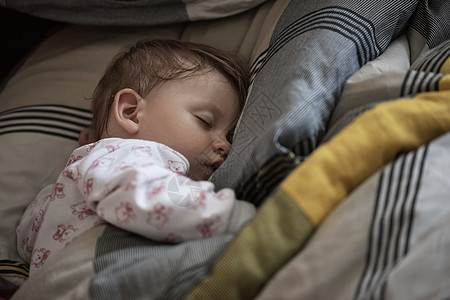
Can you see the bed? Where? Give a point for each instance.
(343, 146)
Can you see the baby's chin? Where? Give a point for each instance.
(200, 174)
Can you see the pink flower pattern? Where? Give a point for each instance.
(81, 210)
(142, 151)
(72, 173)
(210, 225)
(63, 232)
(176, 166)
(159, 216)
(57, 192)
(136, 202)
(73, 159)
(124, 213)
(39, 256)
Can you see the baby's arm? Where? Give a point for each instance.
(141, 194)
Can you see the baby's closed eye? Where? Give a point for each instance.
(205, 121)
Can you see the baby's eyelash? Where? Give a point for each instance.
(204, 122)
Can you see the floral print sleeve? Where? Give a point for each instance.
(136, 185)
(142, 187)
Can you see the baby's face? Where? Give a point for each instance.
(193, 116)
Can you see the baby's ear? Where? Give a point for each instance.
(125, 110)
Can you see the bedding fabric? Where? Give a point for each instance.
(307, 149)
(127, 13)
(398, 204)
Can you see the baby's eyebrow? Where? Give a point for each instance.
(212, 107)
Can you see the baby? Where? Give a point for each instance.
(163, 116)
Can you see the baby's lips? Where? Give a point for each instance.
(216, 164)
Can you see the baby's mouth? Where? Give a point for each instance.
(215, 165)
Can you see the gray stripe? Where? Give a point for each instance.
(417, 82)
(128, 266)
(431, 21)
(433, 60)
(57, 120)
(391, 223)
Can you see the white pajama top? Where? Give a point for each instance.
(136, 185)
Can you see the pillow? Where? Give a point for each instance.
(297, 81)
(35, 142)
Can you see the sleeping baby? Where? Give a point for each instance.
(163, 115)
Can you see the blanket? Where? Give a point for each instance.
(303, 200)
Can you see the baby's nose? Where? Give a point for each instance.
(221, 146)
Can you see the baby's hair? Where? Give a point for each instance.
(147, 64)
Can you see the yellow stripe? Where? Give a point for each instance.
(12, 274)
(444, 82)
(372, 140)
(4, 265)
(14, 269)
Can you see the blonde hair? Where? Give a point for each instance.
(147, 64)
